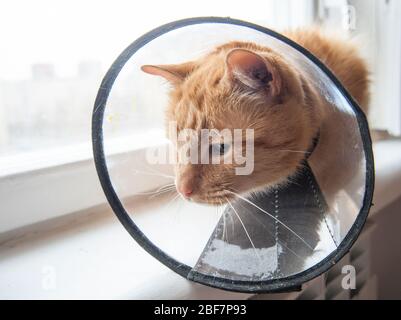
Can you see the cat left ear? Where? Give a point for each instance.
(174, 73)
(253, 71)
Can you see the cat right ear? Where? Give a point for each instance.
(174, 73)
(253, 71)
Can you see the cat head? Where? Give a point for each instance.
(238, 87)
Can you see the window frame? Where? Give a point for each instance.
(49, 186)
(46, 184)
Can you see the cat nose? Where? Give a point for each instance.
(185, 190)
(185, 187)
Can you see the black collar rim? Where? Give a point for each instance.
(277, 285)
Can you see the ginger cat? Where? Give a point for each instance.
(247, 86)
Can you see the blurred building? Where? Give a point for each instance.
(47, 110)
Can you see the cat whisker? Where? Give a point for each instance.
(293, 252)
(295, 151)
(162, 191)
(150, 193)
(219, 211)
(164, 188)
(243, 226)
(229, 215)
(279, 242)
(273, 217)
(172, 200)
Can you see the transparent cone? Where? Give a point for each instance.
(272, 235)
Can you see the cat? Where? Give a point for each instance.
(243, 85)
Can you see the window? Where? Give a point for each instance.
(53, 57)
(55, 53)
(376, 28)
(380, 27)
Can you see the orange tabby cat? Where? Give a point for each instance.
(242, 85)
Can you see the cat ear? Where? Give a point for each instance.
(253, 71)
(174, 73)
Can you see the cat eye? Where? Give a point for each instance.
(219, 148)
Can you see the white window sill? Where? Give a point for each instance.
(93, 257)
(388, 174)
